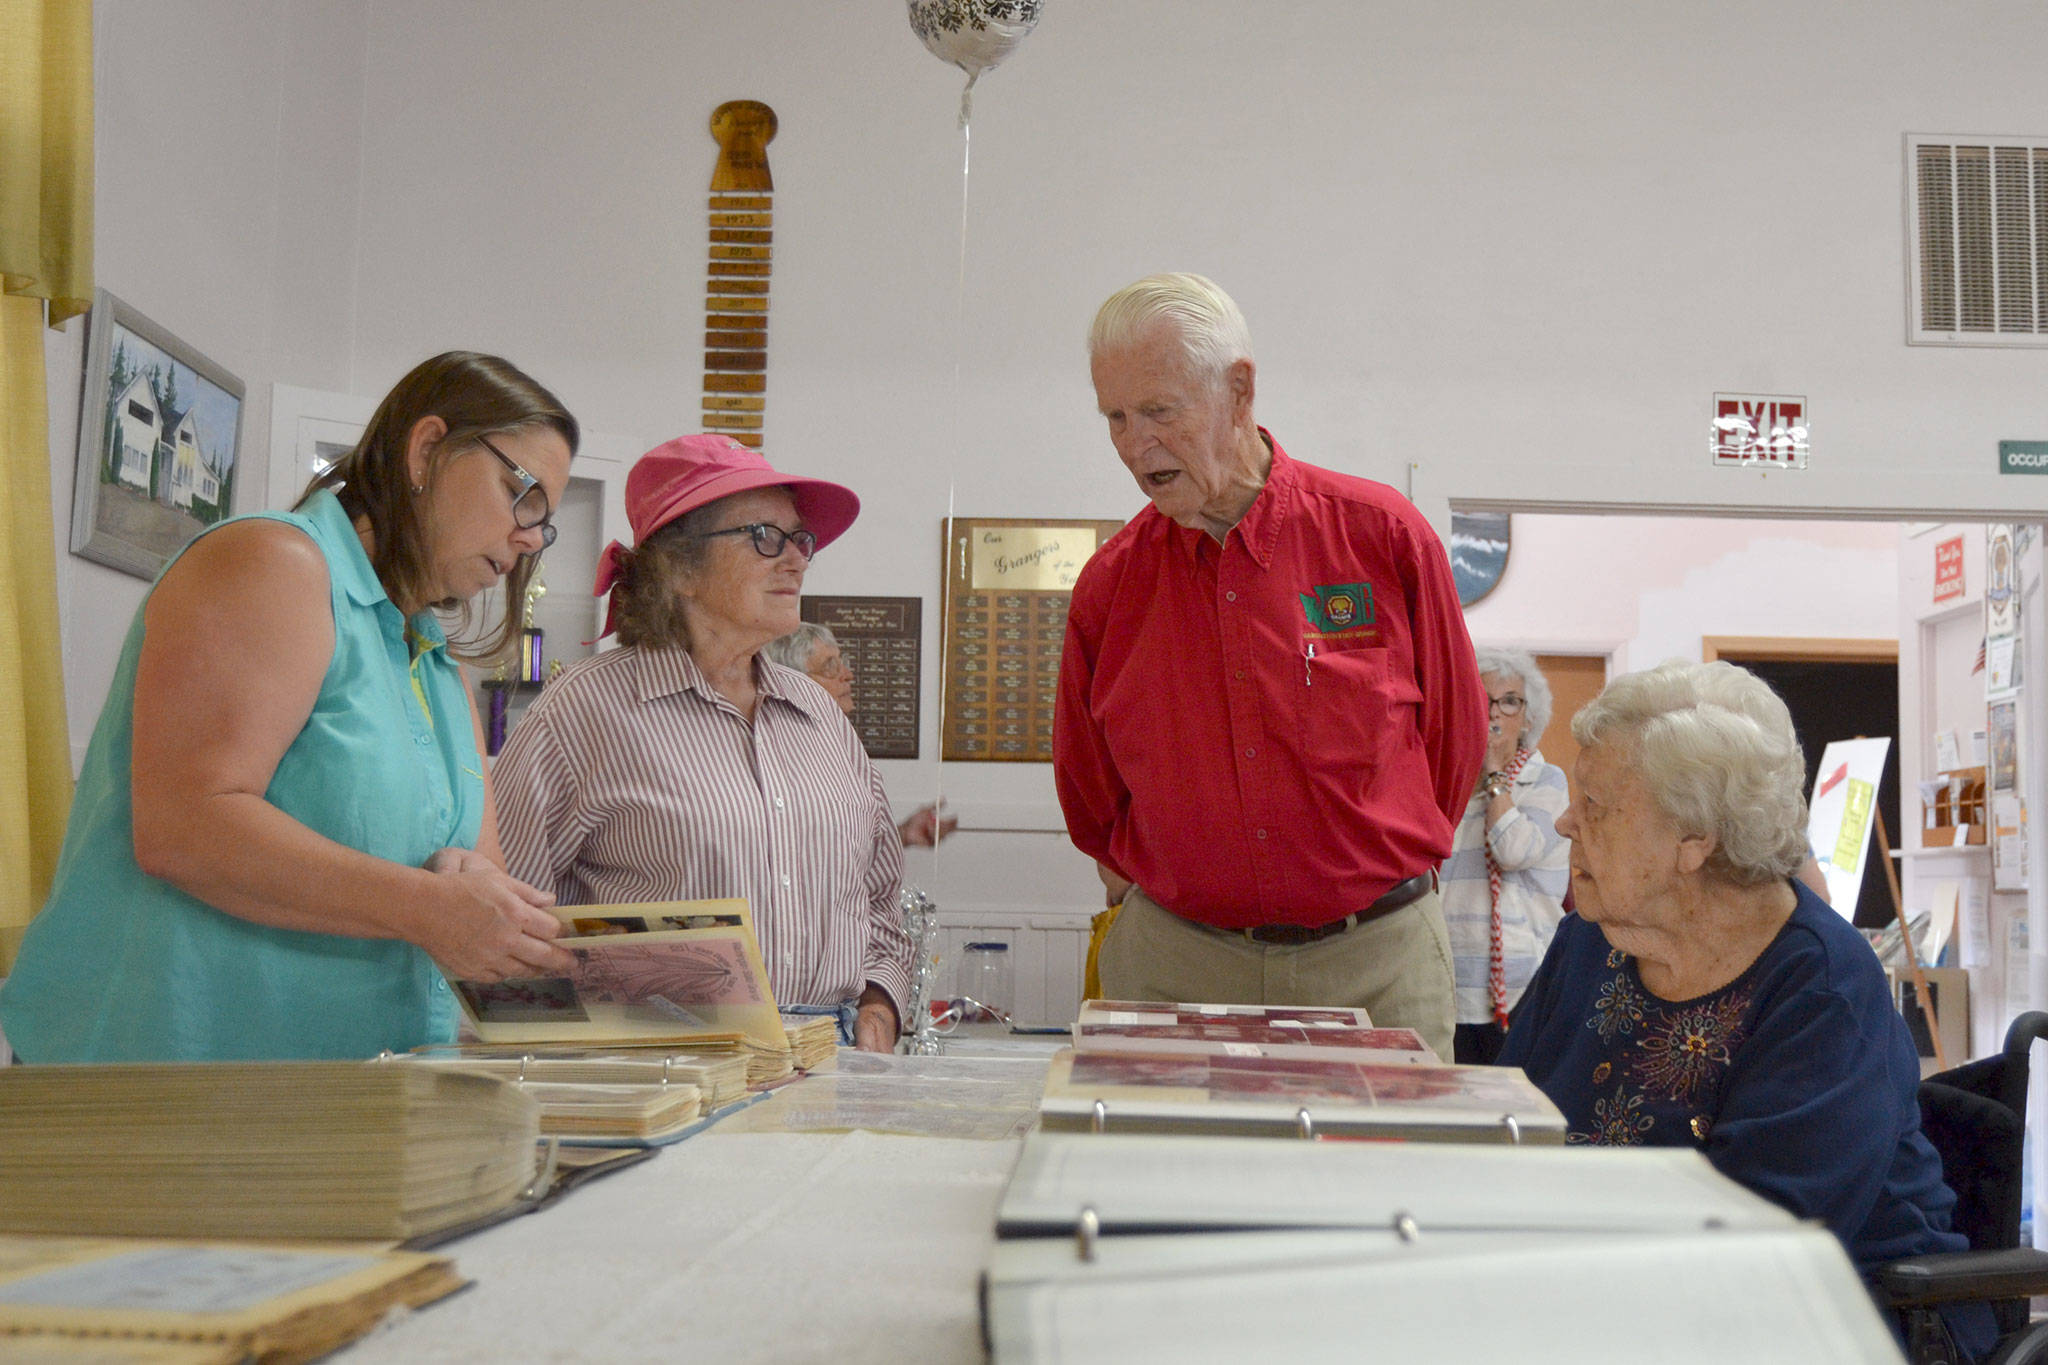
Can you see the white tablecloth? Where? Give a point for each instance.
(743, 1247)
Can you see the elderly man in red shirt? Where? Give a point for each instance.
(1269, 715)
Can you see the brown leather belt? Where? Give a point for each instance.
(1399, 896)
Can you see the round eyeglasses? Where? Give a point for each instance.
(530, 505)
(768, 538)
(1508, 704)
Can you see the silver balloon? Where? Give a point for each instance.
(973, 35)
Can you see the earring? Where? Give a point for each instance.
(419, 488)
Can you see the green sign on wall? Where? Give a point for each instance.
(2023, 457)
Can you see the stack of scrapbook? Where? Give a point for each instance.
(668, 974)
(1304, 1096)
(184, 1303)
(720, 1078)
(259, 1149)
(813, 1040)
(1245, 1031)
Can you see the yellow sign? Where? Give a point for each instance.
(1030, 558)
(1855, 824)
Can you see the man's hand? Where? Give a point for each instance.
(1114, 886)
(876, 1026)
(926, 828)
(486, 925)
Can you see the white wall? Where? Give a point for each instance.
(227, 191)
(1516, 247)
(1646, 589)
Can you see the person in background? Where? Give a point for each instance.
(687, 765)
(1505, 881)
(283, 835)
(1268, 719)
(1702, 997)
(812, 649)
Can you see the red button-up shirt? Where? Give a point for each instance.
(1276, 729)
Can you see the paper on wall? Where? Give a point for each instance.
(2008, 843)
(2017, 968)
(1973, 923)
(1948, 751)
(2001, 664)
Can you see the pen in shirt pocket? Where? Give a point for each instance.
(1308, 664)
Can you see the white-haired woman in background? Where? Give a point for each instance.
(1505, 881)
(1703, 998)
(813, 650)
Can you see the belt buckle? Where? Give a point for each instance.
(1283, 935)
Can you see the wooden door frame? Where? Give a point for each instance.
(1796, 649)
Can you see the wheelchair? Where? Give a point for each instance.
(1975, 1115)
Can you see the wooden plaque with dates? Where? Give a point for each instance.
(1008, 581)
(742, 231)
(879, 638)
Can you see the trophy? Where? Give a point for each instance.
(921, 919)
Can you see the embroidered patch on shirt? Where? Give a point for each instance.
(1332, 607)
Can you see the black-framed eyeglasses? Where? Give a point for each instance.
(769, 538)
(530, 506)
(1508, 704)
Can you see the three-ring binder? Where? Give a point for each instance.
(1304, 1122)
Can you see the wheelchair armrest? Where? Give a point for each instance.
(1961, 1275)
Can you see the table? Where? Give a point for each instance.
(734, 1247)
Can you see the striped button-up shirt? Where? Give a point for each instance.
(629, 779)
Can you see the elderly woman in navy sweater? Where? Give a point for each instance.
(1702, 998)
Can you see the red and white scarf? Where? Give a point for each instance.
(1496, 972)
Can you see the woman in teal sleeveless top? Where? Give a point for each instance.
(283, 833)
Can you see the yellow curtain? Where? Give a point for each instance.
(45, 255)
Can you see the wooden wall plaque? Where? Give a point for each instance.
(881, 639)
(1008, 581)
(742, 231)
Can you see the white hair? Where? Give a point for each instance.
(795, 649)
(1716, 748)
(1520, 665)
(1211, 329)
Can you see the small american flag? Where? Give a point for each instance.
(1978, 667)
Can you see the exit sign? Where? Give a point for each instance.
(1758, 430)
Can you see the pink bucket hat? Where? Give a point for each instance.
(682, 475)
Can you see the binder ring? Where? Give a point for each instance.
(1304, 1124)
(1406, 1228)
(1087, 1227)
(546, 1176)
(1507, 1121)
(1099, 1121)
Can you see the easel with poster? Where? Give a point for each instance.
(1841, 817)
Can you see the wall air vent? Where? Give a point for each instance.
(1977, 241)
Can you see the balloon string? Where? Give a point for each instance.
(952, 482)
(967, 100)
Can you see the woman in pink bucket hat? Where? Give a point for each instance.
(685, 765)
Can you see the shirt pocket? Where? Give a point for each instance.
(1348, 711)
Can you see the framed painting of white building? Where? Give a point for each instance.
(159, 439)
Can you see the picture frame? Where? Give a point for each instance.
(159, 442)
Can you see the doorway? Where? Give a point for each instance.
(1837, 689)
(1574, 679)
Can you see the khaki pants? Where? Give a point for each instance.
(1397, 968)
